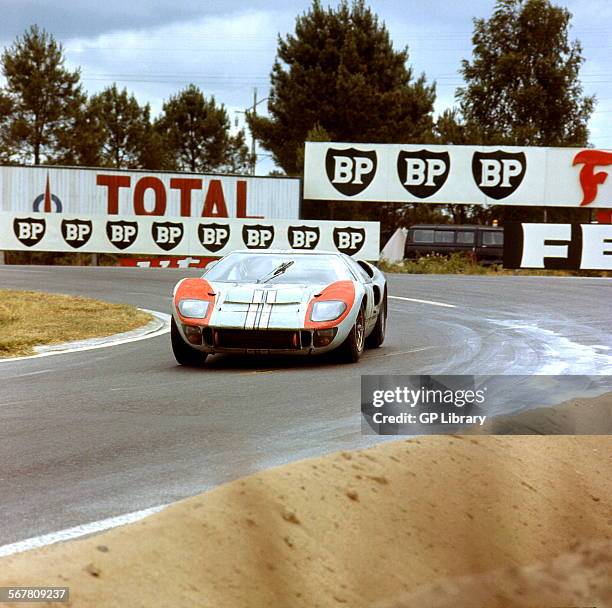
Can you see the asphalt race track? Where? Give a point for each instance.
(90, 435)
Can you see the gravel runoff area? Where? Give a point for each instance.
(437, 521)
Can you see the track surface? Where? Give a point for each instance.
(86, 436)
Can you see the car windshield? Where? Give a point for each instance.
(253, 267)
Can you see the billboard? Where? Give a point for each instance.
(112, 192)
(182, 236)
(492, 175)
(558, 246)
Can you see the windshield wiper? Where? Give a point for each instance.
(275, 273)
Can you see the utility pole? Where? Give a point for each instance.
(253, 148)
(253, 109)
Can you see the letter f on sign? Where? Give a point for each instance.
(589, 180)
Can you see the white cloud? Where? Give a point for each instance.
(156, 47)
(225, 56)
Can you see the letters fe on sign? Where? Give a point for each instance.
(558, 246)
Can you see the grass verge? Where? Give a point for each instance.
(458, 263)
(32, 318)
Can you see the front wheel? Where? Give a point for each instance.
(183, 353)
(377, 337)
(353, 346)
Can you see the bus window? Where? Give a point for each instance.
(422, 236)
(493, 238)
(465, 237)
(445, 236)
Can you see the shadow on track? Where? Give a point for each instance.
(268, 363)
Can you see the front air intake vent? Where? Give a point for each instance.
(257, 339)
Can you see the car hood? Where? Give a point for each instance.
(262, 305)
(241, 293)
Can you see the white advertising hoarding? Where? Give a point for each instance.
(151, 235)
(112, 192)
(493, 175)
(558, 246)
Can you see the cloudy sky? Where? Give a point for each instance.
(156, 47)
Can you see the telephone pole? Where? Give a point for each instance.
(253, 109)
(253, 144)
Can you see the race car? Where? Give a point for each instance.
(279, 302)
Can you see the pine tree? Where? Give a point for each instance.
(522, 85)
(43, 98)
(122, 127)
(196, 131)
(339, 72)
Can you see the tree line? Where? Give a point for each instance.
(337, 77)
(47, 118)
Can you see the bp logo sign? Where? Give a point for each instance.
(258, 236)
(303, 237)
(423, 173)
(28, 230)
(214, 237)
(77, 232)
(350, 171)
(121, 233)
(498, 174)
(349, 240)
(167, 235)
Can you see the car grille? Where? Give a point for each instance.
(257, 339)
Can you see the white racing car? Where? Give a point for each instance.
(279, 302)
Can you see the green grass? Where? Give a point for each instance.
(459, 263)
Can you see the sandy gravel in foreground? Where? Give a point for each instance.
(359, 529)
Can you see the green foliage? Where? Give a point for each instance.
(154, 154)
(461, 263)
(121, 126)
(339, 73)
(41, 100)
(6, 110)
(238, 159)
(522, 85)
(317, 133)
(196, 131)
(450, 128)
(457, 263)
(80, 146)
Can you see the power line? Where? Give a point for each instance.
(229, 49)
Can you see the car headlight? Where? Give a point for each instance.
(194, 309)
(327, 310)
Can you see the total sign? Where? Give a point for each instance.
(551, 177)
(120, 193)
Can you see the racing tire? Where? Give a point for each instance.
(354, 345)
(183, 353)
(377, 337)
